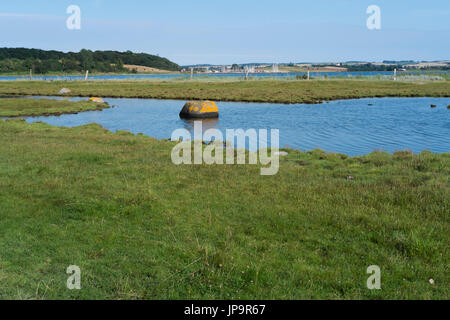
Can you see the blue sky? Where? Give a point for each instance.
(235, 31)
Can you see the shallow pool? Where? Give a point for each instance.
(352, 127)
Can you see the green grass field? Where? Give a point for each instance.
(15, 107)
(140, 227)
(293, 91)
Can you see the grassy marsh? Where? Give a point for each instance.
(19, 107)
(140, 227)
(293, 91)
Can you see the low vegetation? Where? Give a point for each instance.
(140, 227)
(15, 107)
(294, 91)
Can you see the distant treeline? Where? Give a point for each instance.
(43, 61)
(365, 67)
(376, 67)
(372, 67)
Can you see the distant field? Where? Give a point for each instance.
(294, 91)
(312, 69)
(143, 69)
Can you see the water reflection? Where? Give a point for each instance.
(206, 124)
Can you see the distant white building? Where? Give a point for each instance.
(250, 69)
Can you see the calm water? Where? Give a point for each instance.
(218, 75)
(353, 127)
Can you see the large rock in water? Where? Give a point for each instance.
(199, 110)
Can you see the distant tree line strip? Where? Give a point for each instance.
(43, 61)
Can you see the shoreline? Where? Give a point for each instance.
(27, 117)
(122, 132)
(165, 72)
(12, 96)
(242, 101)
(23, 107)
(120, 192)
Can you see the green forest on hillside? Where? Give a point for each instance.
(42, 61)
